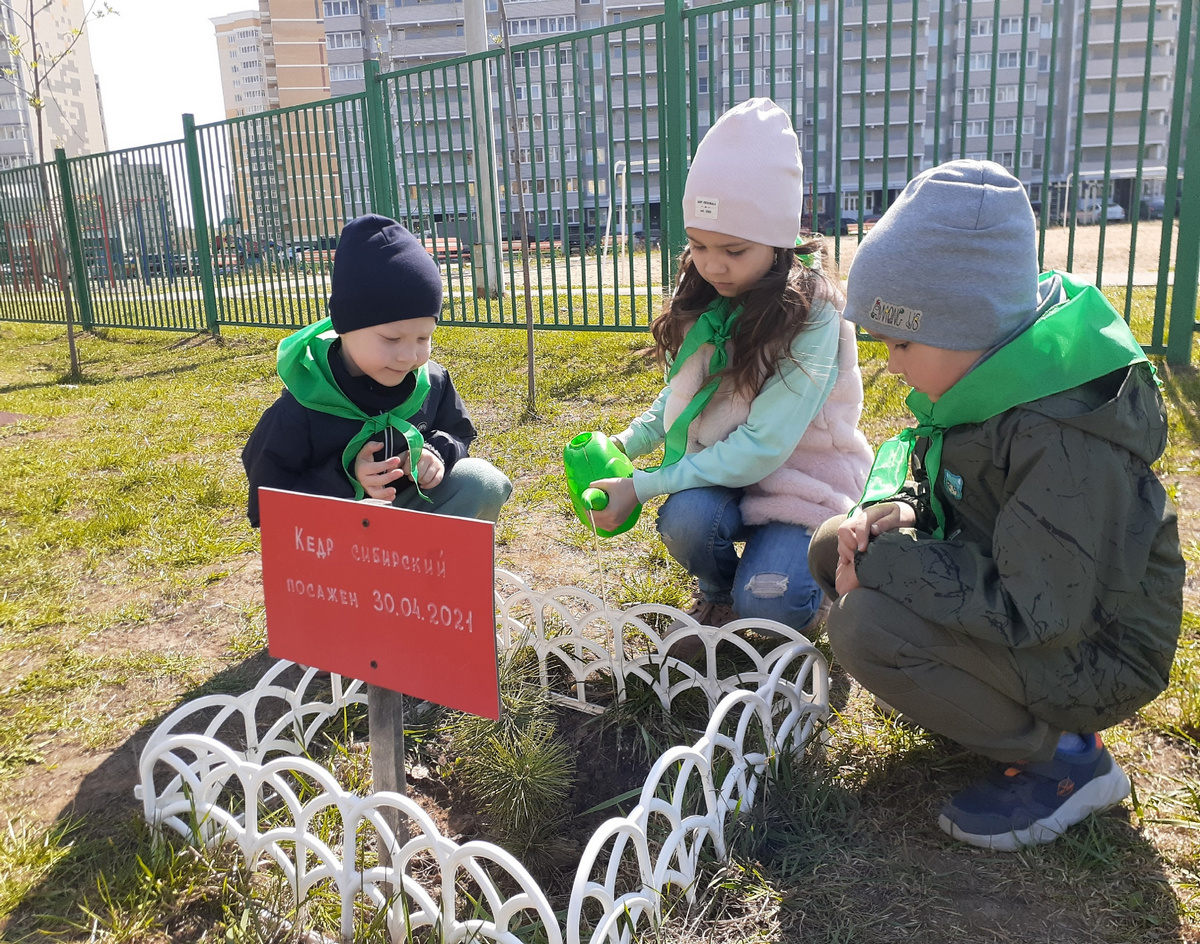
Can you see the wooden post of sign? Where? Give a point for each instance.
(385, 717)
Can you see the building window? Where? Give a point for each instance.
(377, 11)
(345, 73)
(341, 8)
(1012, 60)
(351, 39)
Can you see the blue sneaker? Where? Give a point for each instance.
(1021, 804)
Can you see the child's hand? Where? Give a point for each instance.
(622, 499)
(845, 578)
(857, 530)
(374, 476)
(430, 468)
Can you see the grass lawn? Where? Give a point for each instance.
(129, 582)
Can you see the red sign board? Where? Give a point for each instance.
(400, 599)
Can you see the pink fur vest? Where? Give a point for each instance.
(826, 473)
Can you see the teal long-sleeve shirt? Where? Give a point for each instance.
(778, 417)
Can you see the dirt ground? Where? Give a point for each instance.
(1059, 249)
(1084, 252)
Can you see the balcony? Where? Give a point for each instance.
(851, 118)
(634, 100)
(1101, 34)
(1098, 102)
(644, 7)
(851, 80)
(404, 51)
(877, 49)
(424, 13)
(1125, 134)
(1162, 7)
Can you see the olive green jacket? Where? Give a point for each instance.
(1061, 543)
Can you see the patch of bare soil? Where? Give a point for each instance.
(196, 626)
(1084, 252)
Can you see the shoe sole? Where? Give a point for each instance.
(1098, 795)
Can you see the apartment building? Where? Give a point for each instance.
(72, 118)
(274, 60)
(877, 91)
(293, 39)
(252, 186)
(241, 62)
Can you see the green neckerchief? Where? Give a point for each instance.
(713, 327)
(1076, 341)
(303, 362)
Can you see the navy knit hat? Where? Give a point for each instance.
(381, 274)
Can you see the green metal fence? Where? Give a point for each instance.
(578, 143)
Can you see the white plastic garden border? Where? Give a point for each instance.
(192, 782)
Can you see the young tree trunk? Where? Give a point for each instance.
(61, 259)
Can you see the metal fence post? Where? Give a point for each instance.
(1182, 325)
(200, 224)
(379, 172)
(674, 129)
(71, 221)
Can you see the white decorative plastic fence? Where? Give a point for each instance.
(276, 804)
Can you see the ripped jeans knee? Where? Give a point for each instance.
(767, 586)
(773, 580)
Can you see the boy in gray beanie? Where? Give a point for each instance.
(1022, 590)
(365, 412)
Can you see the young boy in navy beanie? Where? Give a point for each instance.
(1023, 589)
(365, 412)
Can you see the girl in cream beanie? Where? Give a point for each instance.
(759, 416)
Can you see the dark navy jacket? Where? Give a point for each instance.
(300, 450)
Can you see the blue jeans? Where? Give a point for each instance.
(770, 580)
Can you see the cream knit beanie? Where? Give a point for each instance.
(747, 179)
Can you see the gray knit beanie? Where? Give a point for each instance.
(747, 179)
(952, 263)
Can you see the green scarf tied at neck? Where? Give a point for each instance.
(1076, 341)
(303, 362)
(713, 327)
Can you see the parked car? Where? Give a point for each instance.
(167, 263)
(639, 238)
(868, 223)
(1151, 208)
(1093, 210)
(827, 225)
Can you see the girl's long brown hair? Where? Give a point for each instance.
(774, 311)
